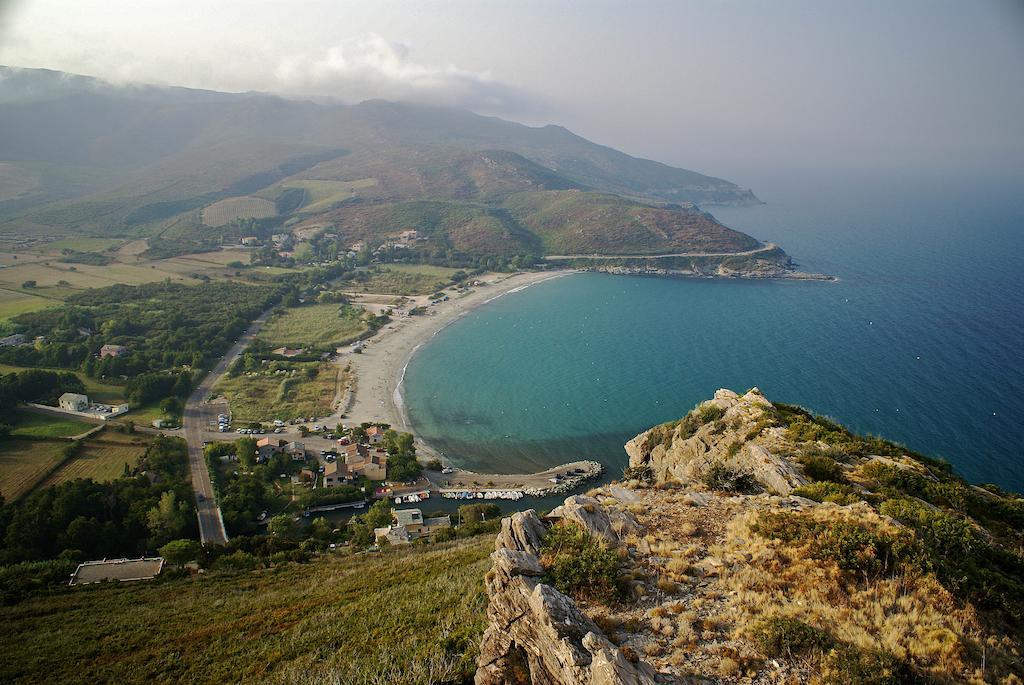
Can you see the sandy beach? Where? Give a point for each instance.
(379, 369)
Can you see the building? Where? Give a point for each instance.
(393, 535)
(336, 473)
(112, 351)
(417, 527)
(13, 340)
(374, 435)
(296, 450)
(408, 236)
(117, 569)
(72, 401)
(268, 447)
(250, 240)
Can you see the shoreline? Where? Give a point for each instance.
(380, 368)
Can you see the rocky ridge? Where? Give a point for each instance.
(707, 583)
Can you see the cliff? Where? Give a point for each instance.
(755, 542)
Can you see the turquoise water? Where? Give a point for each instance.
(922, 340)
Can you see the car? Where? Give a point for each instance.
(279, 430)
(447, 469)
(200, 497)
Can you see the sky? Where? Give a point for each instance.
(726, 88)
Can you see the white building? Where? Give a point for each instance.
(72, 401)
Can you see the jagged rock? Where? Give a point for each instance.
(609, 524)
(737, 439)
(522, 530)
(534, 627)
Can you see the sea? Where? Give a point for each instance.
(921, 340)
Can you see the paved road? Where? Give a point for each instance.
(764, 248)
(196, 420)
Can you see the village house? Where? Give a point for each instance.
(416, 526)
(13, 340)
(296, 450)
(392, 535)
(374, 435)
(268, 447)
(112, 351)
(408, 236)
(250, 240)
(335, 473)
(73, 401)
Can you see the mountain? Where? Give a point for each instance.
(80, 155)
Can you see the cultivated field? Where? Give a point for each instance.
(319, 325)
(30, 425)
(268, 395)
(57, 280)
(24, 462)
(404, 279)
(81, 244)
(14, 302)
(322, 194)
(226, 211)
(320, 622)
(102, 459)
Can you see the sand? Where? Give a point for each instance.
(379, 369)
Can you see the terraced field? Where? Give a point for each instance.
(322, 194)
(102, 459)
(24, 462)
(226, 211)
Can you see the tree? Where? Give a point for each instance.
(168, 518)
(181, 551)
(320, 529)
(283, 526)
(245, 450)
(172, 406)
(28, 284)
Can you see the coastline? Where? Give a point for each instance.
(380, 368)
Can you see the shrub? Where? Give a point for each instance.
(827, 491)
(848, 665)
(789, 637)
(580, 565)
(721, 477)
(644, 474)
(819, 465)
(236, 561)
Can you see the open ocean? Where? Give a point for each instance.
(921, 341)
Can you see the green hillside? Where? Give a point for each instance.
(389, 618)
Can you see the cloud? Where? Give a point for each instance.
(372, 67)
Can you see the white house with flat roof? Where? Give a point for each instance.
(73, 401)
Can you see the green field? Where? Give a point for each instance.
(322, 194)
(31, 425)
(267, 395)
(318, 325)
(102, 459)
(13, 303)
(58, 280)
(97, 390)
(226, 211)
(82, 244)
(24, 462)
(404, 616)
(404, 279)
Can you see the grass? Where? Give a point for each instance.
(57, 280)
(102, 459)
(226, 211)
(404, 279)
(24, 462)
(97, 390)
(317, 325)
(31, 425)
(82, 244)
(322, 194)
(269, 395)
(387, 619)
(13, 303)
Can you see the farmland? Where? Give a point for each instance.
(58, 280)
(318, 325)
(102, 459)
(82, 244)
(403, 279)
(281, 390)
(226, 211)
(278, 625)
(30, 425)
(23, 463)
(322, 194)
(14, 302)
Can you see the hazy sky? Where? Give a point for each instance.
(721, 87)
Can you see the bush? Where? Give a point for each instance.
(644, 474)
(819, 465)
(721, 477)
(181, 551)
(236, 561)
(848, 665)
(580, 565)
(827, 491)
(789, 637)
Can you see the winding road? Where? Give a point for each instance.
(196, 419)
(767, 247)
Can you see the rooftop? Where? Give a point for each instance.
(117, 569)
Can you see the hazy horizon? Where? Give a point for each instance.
(722, 88)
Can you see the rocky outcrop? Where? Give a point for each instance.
(731, 431)
(536, 634)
